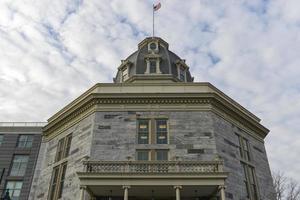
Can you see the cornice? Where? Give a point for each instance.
(151, 102)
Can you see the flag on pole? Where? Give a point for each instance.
(157, 6)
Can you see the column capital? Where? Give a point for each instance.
(126, 187)
(177, 187)
(83, 187)
(222, 187)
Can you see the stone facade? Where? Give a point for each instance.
(203, 125)
(80, 150)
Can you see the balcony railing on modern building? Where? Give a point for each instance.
(144, 167)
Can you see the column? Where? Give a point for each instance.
(126, 188)
(177, 190)
(82, 192)
(222, 192)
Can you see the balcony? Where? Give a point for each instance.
(153, 167)
(142, 179)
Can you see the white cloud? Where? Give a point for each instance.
(53, 50)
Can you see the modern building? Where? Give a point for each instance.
(153, 134)
(19, 147)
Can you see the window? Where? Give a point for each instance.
(161, 131)
(1, 139)
(244, 148)
(143, 131)
(60, 149)
(19, 165)
(14, 188)
(57, 181)
(162, 154)
(142, 155)
(63, 147)
(152, 46)
(152, 66)
(181, 73)
(25, 141)
(125, 74)
(248, 169)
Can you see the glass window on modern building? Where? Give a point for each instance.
(1, 139)
(143, 131)
(14, 188)
(162, 154)
(25, 141)
(161, 131)
(19, 165)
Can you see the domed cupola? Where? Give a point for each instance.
(153, 62)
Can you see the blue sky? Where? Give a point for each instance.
(53, 50)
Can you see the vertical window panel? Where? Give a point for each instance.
(60, 150)
(162, 154)
(152, 66)
(19, 165)
(62, 179)
(143, 131)
(68, 145)
(14, 188)
(1, 139)
(143, 155)
(25, 141)
(161, 131)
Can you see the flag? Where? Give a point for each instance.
(157, 6)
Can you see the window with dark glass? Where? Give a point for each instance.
(63, 147)
(162, 154)
(68, 145)
(246, 183)
(161, 131)
(182, 74)
(19, 165)
(246, 149)
(152, 66)
(152, 46)
(142, 155)
(62, 179)
(143, 131)
(54, 183)
(25, 141)
(252, 182)
(57, 181)
(60, 149)
(14, 188)
(1, 139)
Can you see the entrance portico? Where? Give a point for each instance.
(153, 180)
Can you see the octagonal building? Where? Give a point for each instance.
(153, 133)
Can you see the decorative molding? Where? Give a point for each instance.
(208, 102)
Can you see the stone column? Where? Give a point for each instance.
(82, 192)
(222, 192)
(126, 188)
(177, 190)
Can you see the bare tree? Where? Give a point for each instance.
(293, 190)
(279, 182)
(285, 188)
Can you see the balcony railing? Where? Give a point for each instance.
(153, 166)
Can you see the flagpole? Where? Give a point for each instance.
(153, 21)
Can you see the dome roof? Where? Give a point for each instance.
(153, 61)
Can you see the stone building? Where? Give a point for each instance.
(153, 134)
(19, 148)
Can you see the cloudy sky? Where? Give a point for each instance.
(53, 50)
